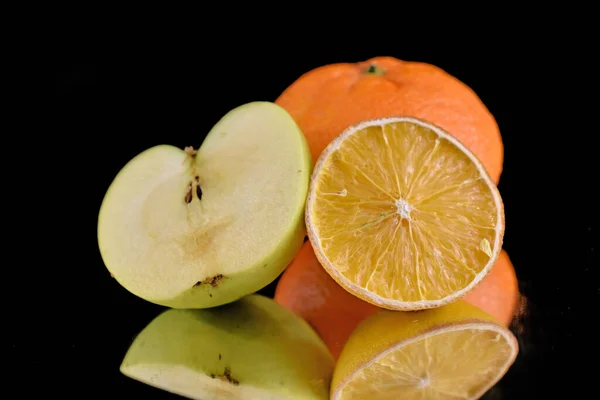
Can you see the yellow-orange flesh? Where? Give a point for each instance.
(453, 364)
(402, 215)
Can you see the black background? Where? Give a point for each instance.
(116, 97)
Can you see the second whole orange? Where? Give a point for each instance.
(498, 293)
(306, 289)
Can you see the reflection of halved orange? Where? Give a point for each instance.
(402, 215)
(451, 352)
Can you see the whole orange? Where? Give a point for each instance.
(328, 99)
(306, 289)
(498, 293)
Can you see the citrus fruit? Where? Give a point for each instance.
(308, 291)
(402, 215)
(498, 293)
(196, 229)
(330, 98)
(451, 352)
(249, 349)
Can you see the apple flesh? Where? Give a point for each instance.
(198, 229)
(251, 349)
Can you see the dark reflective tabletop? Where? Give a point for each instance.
(118, 102)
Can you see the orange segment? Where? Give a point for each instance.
(402, 215)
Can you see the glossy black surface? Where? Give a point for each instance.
(117, 101)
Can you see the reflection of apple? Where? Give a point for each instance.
(196, 229)
(251, 349)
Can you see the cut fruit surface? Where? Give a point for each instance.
(452, 352)
(251, 349)
(194, 229)
(402, 215)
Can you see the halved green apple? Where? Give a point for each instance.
(197, 229)
(251, 349)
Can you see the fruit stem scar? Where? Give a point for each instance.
(373, 69)
(190, 151)
(403, 208)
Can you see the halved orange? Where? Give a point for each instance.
(451, 352)
(402, 215)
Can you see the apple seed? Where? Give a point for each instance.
(188, 194)
(190, 190)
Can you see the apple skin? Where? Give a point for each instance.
(252, 349)
(233, 285)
